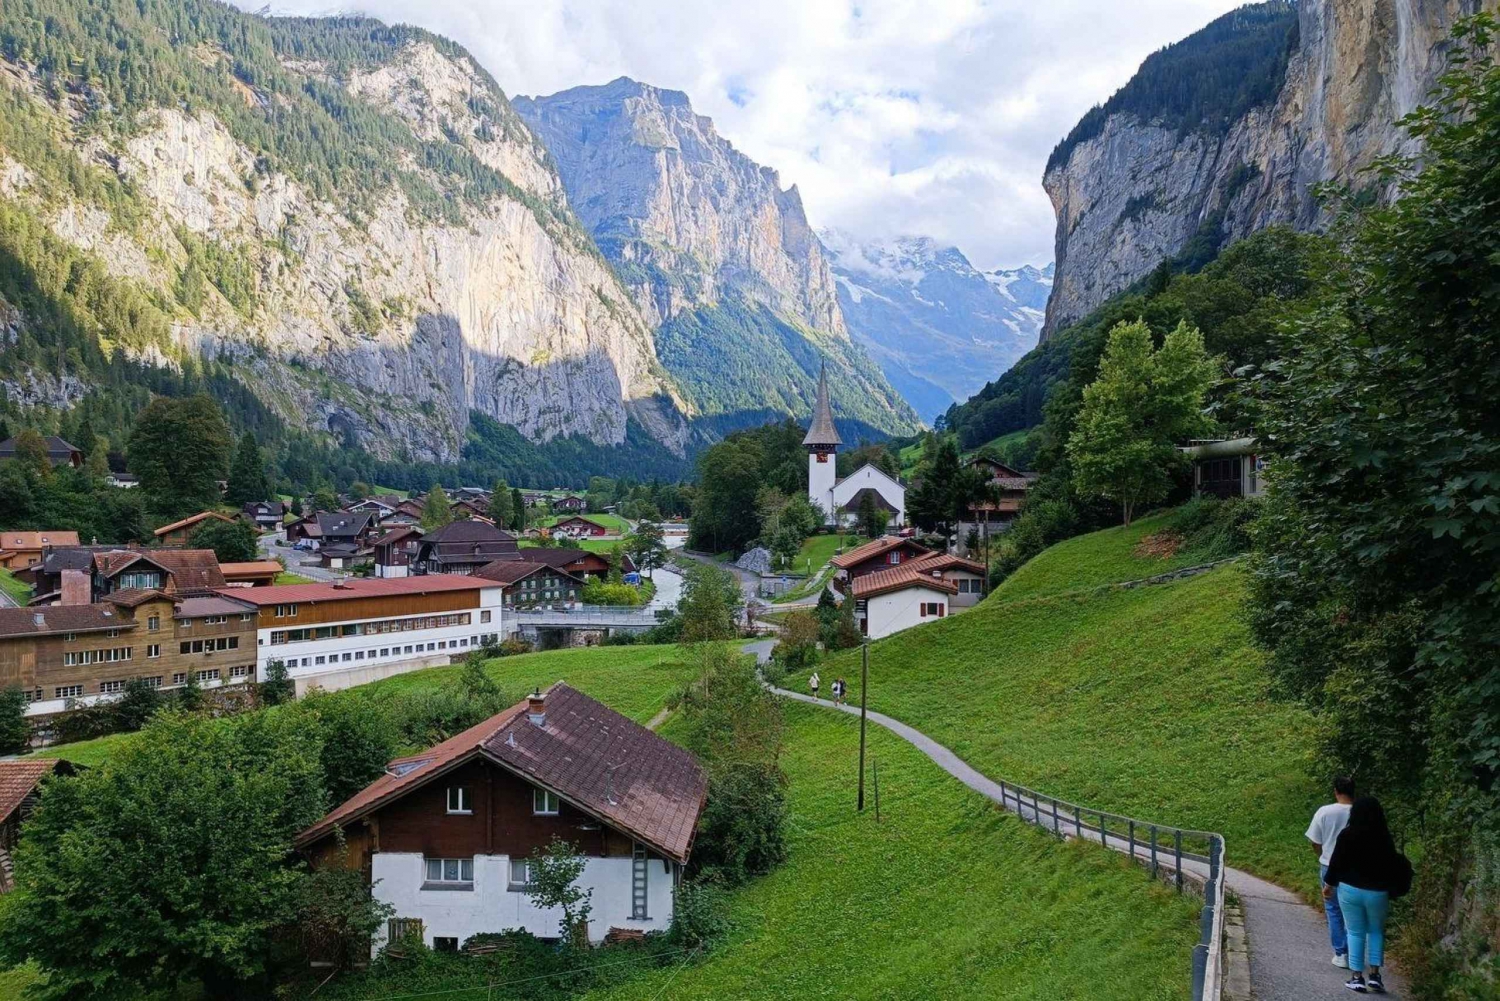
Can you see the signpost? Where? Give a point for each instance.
(864, 687)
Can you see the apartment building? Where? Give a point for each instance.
(66, 656)
(336, 635)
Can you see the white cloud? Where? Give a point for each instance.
(891, 116)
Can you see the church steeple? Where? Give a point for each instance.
(821, 434)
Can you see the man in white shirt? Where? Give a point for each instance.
(1324, 830)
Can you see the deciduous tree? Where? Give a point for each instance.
(180, 449)
(231, 541)
(436, 509)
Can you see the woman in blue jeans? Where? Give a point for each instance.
(1366, 871)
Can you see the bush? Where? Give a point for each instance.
(597, 592)
(798, 648)
(700, 914)
(1039, 525)
(15, 729)
(1214, 529)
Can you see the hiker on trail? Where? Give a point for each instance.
(1366, 872)
(1323, 832)
(812, 683)
(840, 691)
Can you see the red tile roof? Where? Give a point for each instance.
(900, 578)
(191, 569)
(18, 777)
(875, 547)
(594, 758)
(946, 561)
(191, 519)
(356, 588)
(36, 540)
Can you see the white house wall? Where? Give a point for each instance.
(897, 610)
(492, 906)
(867, 476)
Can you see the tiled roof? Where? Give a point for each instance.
(212, 604)
(131, 597)
(397, 535)
(899, 578)
(946, 561)
(191, 569)
(58, 560)
(56, 447)
(36, 540)
(190, 520)
(18, 777)
(467, 532)
(875, 547)
(44, 619)
(591, 756)
(344, 522)
(252, 567)
(510, 571)
(356, 588)
(821, 431)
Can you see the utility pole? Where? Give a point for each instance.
(864, 688)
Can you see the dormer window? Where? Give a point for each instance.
(893, 557)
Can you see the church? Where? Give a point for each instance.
(839, 498)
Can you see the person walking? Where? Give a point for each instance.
(840, 689)
(812, 683)
(1366, 872)
(1324, 830)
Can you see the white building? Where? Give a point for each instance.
(837, 498)
(447, 833)
(336, 635)
(889, 601)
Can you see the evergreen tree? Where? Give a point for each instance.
(500, 504)
(934, 502)
(277, 686)
(247, 476)
(15, 729)
(436, 509)
(517, 510)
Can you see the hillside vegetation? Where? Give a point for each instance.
(1148, 701)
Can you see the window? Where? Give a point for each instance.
(212, 674)
(520, 873)
(69, 637)
(484, 616)
(544, 803)
(286, 611)
(153, 623)
(68, 691)
(153, 650)
(450, 870)
(153, 682)
(184, 623)
(348, 657)
(111, 687)
(932, 608)
(441, 943)
(385, 651)
(458, 800)
(146, 579)
(112, 633)
(179, 678)
(442, 644)
(246, 617)
(893, 557)
(320, 660)
(359, 655)
(240, 672)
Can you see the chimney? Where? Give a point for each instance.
(536, 708)
(38, 619)
(77, 587)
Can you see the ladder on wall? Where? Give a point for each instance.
(638, 866)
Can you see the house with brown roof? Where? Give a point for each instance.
(876, 555)
(172, 571)
(395, 550)
(578, 562)
(570, 503)
(462, 547)
(176, 534)
(968, 575)
(1008, 487)
(19, 550)
(20, 785)
(889, 601)
(265, 515)
(445, 835)
(581, 526)
(253, 573)
(59, 452)
(525, 584)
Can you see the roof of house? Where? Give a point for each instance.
(900, 578)
(41, 620)
(19, 776)
(411, 507)
(73, 558)
(36, 540)
(467, 531)
(368, 587)
(133, 597)
(396, 535)
(191, 569)
(510, 571)
(946, 561)
(212, 604)
(56, 447)
(821, 431)
(275, 507)
(857, 498)
(562, 557)
(344, 522)
(190, 521)
(253, 568)
(586, 518)
(871, 549)
(599, 761)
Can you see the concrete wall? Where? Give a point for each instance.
(898, 610)
(493, 906)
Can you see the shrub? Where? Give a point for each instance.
(15, 730)
(1215, 529)
(700, 914)
(1040, 524)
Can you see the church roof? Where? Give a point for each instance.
(821, 431)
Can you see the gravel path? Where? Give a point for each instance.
(1288, 940)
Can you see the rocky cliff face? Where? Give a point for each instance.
(716, 254)
(387, 317)
(939, 328)
(1138, 192)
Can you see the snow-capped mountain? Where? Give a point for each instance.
(939, 327)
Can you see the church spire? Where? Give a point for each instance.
(821, 431)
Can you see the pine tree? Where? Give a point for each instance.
(517, 510)
(247, 477)
(436, 509)
(500, 504)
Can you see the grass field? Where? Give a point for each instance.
(19, 591)
(286, 577)
(1149, 701)
(1089, 561)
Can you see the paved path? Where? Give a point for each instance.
(295, 558)
(1289, 953)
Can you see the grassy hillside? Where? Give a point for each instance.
(1149, 701)
(1090, 561)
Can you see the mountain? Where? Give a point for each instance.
(715, 254)
(939, 328)
(1228, 131)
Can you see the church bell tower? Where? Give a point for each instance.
(822, 442)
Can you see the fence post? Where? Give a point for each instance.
(1132, 841)
(1153, 851)
(1056, 820)
(1177, 855)
(1078, 822)
(1103, 834)
(1036, 808)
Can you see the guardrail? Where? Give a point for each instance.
(1143, 841)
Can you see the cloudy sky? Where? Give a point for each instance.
(931, 117)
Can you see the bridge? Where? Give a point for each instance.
(580, 625)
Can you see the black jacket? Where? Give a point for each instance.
(1368, 860)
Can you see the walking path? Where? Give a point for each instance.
(1289, 951)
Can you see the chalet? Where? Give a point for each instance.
(469, 494)
(380, 507)
(581, 525)
(408, 512)
(968, 575)
(19, 550)
(889, 601)
(265, 515)
(59, 452)
(305, 529)
(20, 785)
(876, 555)
(578, 562)
(395, 550)
(125, 481)
(467, 814)
(571, 503)
(346, 528)
(462, 547)
(1008, 488)
(66, 656)
(177, 533)
(79, 575)
(469, 507)
(533, 499)
(334, 635)
(1227, 468)
(526, 584)
(253, 573)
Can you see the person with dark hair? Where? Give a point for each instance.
(1323, 832)
(1366, 872)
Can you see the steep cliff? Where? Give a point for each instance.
(349, 216)
(939, 327)
(1228, 131)
(716, 254)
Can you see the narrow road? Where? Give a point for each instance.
(311, 569)
(1288, 939)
